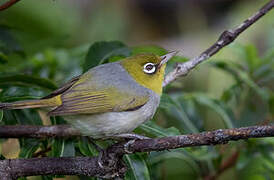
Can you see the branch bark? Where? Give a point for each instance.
(112, 158)
(32, 131)
(8, 4)
(14, 168)
(227, 37)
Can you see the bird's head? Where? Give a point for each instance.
(148, 69)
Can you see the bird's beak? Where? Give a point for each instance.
(165, 58)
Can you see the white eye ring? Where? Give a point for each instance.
(149, 68)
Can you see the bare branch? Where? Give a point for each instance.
(31, 131)
(8, 4)
(15, 168)
(227, 37)
(112, 159)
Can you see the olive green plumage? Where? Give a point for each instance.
(109, 99)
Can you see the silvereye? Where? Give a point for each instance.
(110, 99)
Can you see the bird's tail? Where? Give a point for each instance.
(51, 102)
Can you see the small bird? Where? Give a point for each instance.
(109, 100)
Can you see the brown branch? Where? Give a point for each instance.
(229, 163)
(32, 131)
(112, 158)
(14, 168)
(8, 4)
(227, 37)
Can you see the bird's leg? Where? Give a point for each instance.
(99, 149)
(132, 138)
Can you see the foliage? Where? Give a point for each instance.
(248, 101)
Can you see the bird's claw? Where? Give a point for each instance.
(131, 136)
(100, 159)
(127, 146)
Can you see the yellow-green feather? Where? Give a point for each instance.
(134, 66)
(92, 102)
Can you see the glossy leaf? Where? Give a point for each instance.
(69, 149)
(157, 157)
(86, 148)
(241, 76)
(153, 129)
(27, 80)
(3, 58)
(175, 109)
(1, 115)
(99, 52)
(63, 148)
(138, 167)
(261, 92)
(28, 147)
(18, 98)
(217, 106)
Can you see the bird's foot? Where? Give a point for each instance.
(130, 136)
(127, 146)
(100, 159)
(100, 150)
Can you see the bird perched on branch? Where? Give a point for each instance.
(109, 100)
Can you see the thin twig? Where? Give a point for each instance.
(112, 159)
(229, 163)
(8, 4)
(227, 37)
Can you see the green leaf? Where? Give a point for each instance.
(175, 109)
(252, 57)
(58, 146)
(47, 177)
(218, 106)
(247, 80)
(3, 58)
(69, 149)
(100, 52)
(63, 148)
(271, 104)
(8, 44)
(157, 157)
(81, 177)
(1, 115)
(241, 76)
(138, 167)
(149, 49)
(27, 80)
(28, 147)
(153, 129)
(18, 98)
(86, 148)
(233, 91)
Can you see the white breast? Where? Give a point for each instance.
(113, 123)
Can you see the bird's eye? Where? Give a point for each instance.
(149, 68)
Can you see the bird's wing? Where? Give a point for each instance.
(63, 88)
(82, 99)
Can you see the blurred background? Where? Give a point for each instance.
(50, 39)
